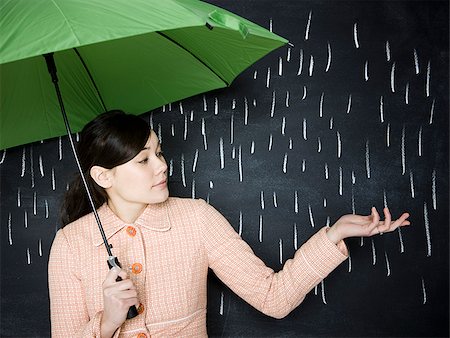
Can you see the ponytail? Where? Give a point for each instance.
(76, 202)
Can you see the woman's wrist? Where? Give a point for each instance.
(107, 330)
(334, 235)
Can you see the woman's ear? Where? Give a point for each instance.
(101, 176)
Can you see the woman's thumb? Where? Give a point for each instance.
(112, 275)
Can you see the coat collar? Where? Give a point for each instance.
(154, 217)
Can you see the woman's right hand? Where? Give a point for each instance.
(117, 299)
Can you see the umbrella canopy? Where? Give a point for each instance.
(135, 55)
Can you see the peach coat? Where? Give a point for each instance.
(167, 253)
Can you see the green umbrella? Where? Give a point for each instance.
(103, 54)
(135, 55)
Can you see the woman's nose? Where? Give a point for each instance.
(161, 165)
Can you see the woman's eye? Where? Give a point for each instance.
(160, 154)
(145, 160)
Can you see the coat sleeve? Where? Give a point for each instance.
(274, 294)
(68, 311)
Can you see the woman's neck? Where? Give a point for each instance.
(127, 213)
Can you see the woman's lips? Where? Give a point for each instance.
(160, 184)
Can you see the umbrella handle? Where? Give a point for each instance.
(114, 262)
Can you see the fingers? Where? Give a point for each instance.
(375, 218)
(121, 289)
(387, 225)
(127, 294)
(402, 221)
(112, 275)
(387, 217)
(379, 227)
(124, 291)
(111, 280)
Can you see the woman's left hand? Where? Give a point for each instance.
(365, 226)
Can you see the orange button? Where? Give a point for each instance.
(131, 231)
(141, 335)
(140, 309)
(136, 268)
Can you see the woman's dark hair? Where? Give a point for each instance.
(111, 139)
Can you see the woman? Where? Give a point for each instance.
(166, 245)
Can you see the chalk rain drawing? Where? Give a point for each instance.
(289, 135)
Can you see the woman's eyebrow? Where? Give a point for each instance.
(158, 145)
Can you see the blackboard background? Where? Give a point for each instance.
(393, 285)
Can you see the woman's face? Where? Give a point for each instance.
(142, 180)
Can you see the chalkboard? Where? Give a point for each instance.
(354, 112)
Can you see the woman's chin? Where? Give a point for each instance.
(162, 197)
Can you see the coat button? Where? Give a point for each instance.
(136, 268)
(131, 231)
(141, 335)
(140, 309)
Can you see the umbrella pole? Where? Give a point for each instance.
(112, 260)
(52, 70)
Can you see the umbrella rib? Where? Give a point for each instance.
(195, 56)
(67, 21)
(90, 77)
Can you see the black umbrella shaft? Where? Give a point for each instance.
(52, 70)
